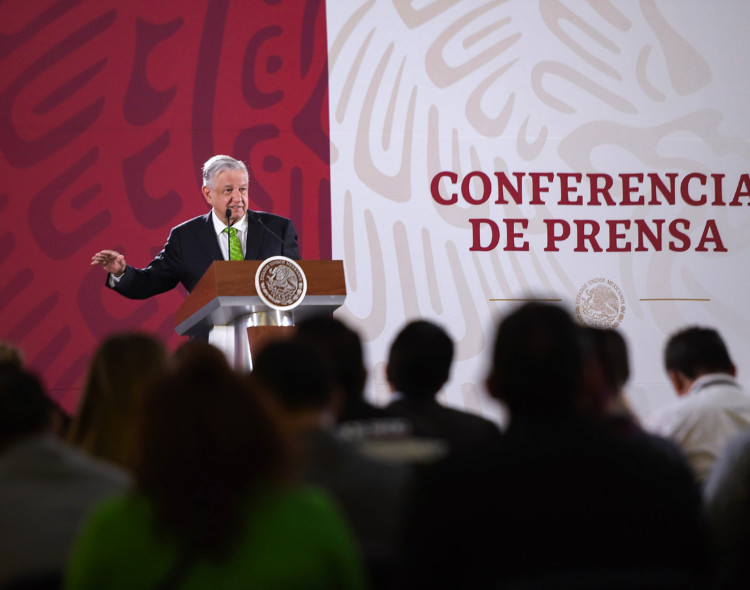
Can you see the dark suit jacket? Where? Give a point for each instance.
(556, 495)
(462, 431)
(192, 247)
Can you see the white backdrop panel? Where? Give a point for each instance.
(558, 87)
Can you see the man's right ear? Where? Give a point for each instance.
(207, 195)
(679, 381)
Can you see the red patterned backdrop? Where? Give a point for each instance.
(107, 111)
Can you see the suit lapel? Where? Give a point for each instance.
(208, 238)
(255, 234)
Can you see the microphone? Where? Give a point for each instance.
(257, 218)
(229, 223)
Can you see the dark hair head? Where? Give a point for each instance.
(121, 373)
(296, 373)
(607, 347)
(343, 349)
(605, 371)
(207, 443)
(420, 359)
(199, 351)
(697, 351)
(537, 360)
(10, 354)
(24, 406)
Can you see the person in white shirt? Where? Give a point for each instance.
(711, 407)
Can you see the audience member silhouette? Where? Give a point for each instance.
(123, 369)
(212, 507)
(10, 354)
(46, 486)
(371, 493)
(557, 501)
(419, 363)
(727, 498)
(573, 495)
(196, 350)
(357, 420)
(606, 372)
(711, 407)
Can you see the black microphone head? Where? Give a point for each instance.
(229, 215)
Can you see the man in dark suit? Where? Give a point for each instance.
(419, 363)
(193, 245)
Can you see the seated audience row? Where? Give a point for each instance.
(558, 501)
(213, 504)
(275, 479)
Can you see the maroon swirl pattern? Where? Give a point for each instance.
(108, 109)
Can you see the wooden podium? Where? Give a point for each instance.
(226, 307)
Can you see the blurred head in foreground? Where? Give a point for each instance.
(123, 369)
(207, 443)
(25, 410)
(537, 361)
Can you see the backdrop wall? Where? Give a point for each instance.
(593, 153)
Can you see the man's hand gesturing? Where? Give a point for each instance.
(113, 262)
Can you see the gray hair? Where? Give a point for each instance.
(218, 164)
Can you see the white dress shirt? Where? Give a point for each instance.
(702, 421)
(223, 238)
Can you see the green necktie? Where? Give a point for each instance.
(235, 248)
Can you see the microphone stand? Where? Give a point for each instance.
(229, 236)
